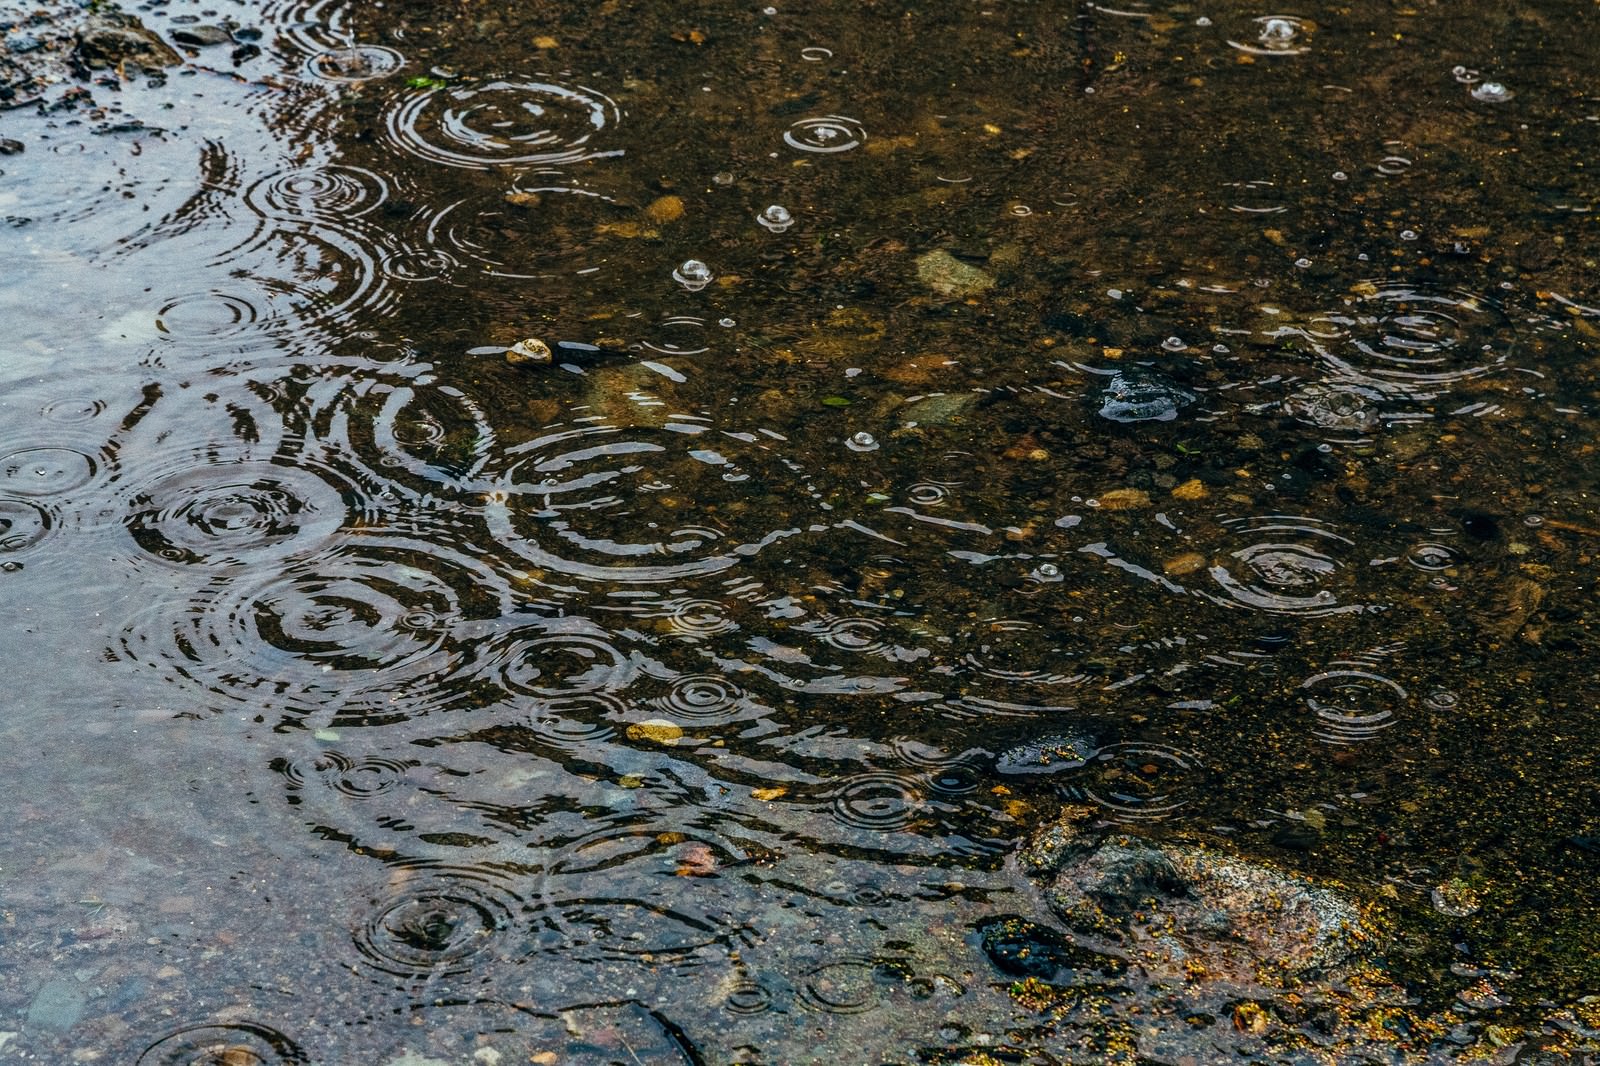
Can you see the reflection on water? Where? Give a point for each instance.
(943, 419)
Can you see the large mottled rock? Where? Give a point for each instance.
(1185, 912)
(1143, 396)
(112, 39)
(949, 276)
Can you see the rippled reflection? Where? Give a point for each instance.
(876, 496)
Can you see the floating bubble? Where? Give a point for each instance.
(692, 274)
(1465, 75)
(1175, 344)
(776, 218)
(1491, 92)
(503, 122)
(1442, 699)
(231, 1043)
(1533, 521)
(862, 442)
(1047, 572)
(1352, 705)
(356, 62)
(1277, 35)
(825, 134)
(815, 53)
(1432, 557)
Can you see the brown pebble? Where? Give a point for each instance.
(1187, 563)
(1124, 500)
(665, 209)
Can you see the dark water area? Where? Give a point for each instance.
(598, 533)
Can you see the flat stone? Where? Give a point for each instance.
(201, 36)
(58, 1005)
(949, 276)
(1191, 914)
(1143, 397)
(1048, 754)
(111, 39)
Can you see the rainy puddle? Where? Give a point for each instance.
(798, 534)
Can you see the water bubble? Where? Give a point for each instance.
(692, 274)
(358, 62)
(776, 218)
(1408, 234)
(825, 134)
(1491, 92)
(1175, 344)
(816, 53)
(722, 177)
(1302, 263)
(1442, 699)
(1339, 175)
(863, 442)
(1533, 521)
(1021, 210)
(1202, 21)
(1465, 75)
(726, 323)
(1047, 572)
(1432, 557)
(1277, 35)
